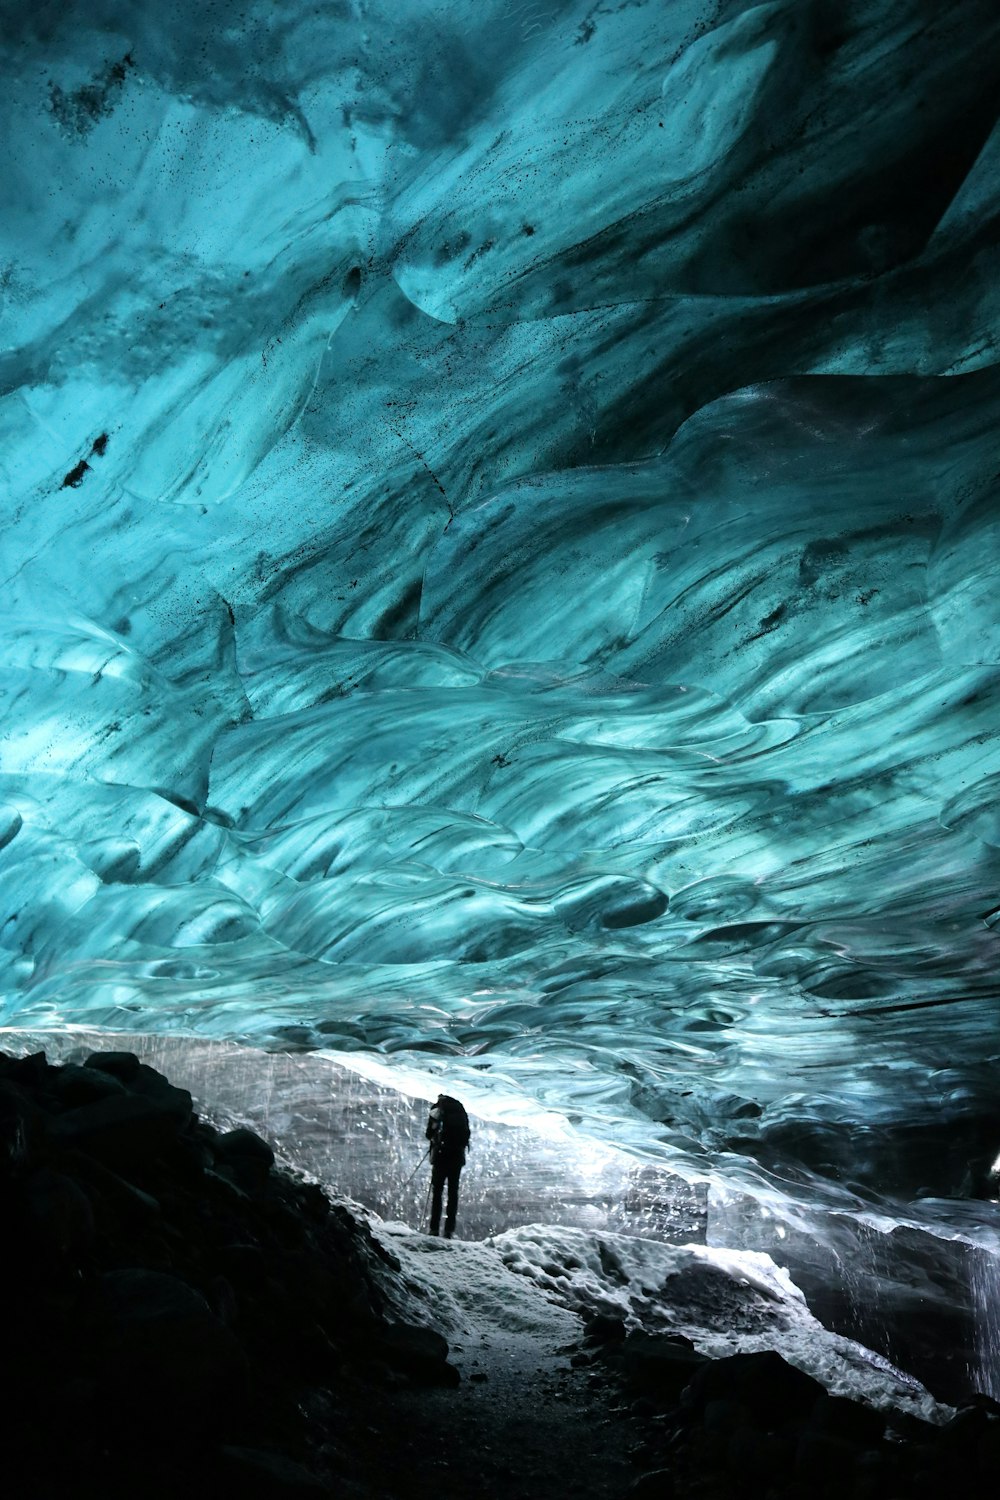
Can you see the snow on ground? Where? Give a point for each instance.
(541, 1280)
(524, 1421)
(465, 1284)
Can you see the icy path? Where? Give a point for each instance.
(523, 1423)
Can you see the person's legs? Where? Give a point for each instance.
(454, 1173)
(437, 1187)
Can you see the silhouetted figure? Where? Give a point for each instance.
(448, 1133)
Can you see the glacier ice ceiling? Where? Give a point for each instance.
(501, 550)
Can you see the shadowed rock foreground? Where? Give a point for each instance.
(180, 1317)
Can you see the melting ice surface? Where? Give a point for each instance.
(499, 567)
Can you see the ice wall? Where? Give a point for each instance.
(500, 555)
(367, 1142)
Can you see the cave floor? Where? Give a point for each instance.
(523, 1423)
(529, 1426)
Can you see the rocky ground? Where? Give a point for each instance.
(180, 1319)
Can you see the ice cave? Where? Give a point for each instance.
(500, 571)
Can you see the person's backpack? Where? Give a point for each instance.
(451, 1130)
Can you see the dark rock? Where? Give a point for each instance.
(774, 1391)
(604, 1329)
(139, 1078)
(135, 1295)
(820, 1457)
(660, 1364)
(408, 1338)
(988, 1448)
(244, 1145)
(189, 1156)
(170, 1276)
(31, 1071)
(658, 1484)
(74, 1086)
(376, 1370)
(169, 1365)
(225, 1182)
(245, 1269)
(979, 1401)
(222, 1299)
(244, 1158)
(776, 1457)
(838, 1417)
(121, 1129)
(763, 1456)
(313, 1201)
(254, 1474)
(418, 1352)
(873, 1474)
(58, 1220)
(121, 1065)
(128, 1200)
(905, 1427)
(19, 1122)
(724, 1416)
(307, 1279)
(969, 1423)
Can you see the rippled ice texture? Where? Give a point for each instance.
(500, 555)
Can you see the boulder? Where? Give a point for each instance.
(773, 1391)
(244, 1145)
(723, 1416)
(837, 1417)
(971, 1419)
(19, 1124)
(139, 1078)
(121, 1065)
(121, 1129)
(604, 1329)
(245, 1267)
(820, 1458)
(32, 1072)
(255, 1474)
(58, 1222)
(244, 1157)
(658, 1484)
(73, 1086)
(168, 1365)
(767, 1457)
(313, 1201)
(129, 1203)
(988, 1447)
(419, 1353)
(660, 1364)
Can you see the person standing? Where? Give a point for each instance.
(448, 1132)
